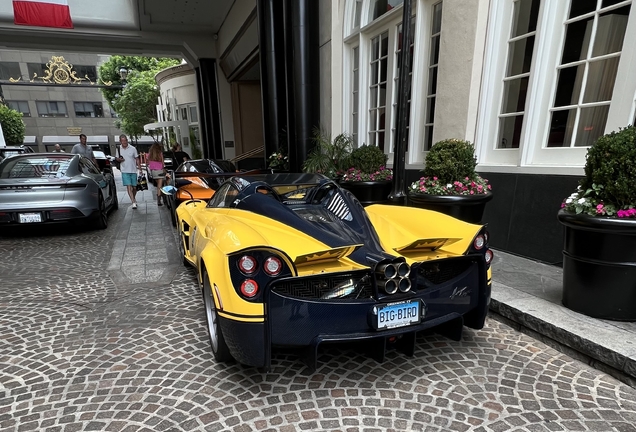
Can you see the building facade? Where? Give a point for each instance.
(57, 114)
(533, 83)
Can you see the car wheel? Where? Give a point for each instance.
(217, 342)
(102, 217)
(173, 212)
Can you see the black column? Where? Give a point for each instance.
(210, 121)
(398, 192)
(270, 33)
(298, 78)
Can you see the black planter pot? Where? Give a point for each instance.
(469, 208)
(369, 192)
(599, 266)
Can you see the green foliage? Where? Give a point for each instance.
(451, 160)
(611, 163)
(329, 157)
(12, 125)
(367, 159)
(135, 103)
(194, 143)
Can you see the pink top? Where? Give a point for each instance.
(155, 165)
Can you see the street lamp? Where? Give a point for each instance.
(123, 73)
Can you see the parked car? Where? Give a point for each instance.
(38, 188)
(294, 260)
(196, 187)
(14, 150)
(103, 161)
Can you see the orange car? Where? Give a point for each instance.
(196, 187)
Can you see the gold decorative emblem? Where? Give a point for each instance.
(59, 71)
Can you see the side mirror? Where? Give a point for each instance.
(169, 190)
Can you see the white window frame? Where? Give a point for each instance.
(361, 38)
(533, 155)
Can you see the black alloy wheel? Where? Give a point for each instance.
(102, 216)
(113, 191)
(217, 342)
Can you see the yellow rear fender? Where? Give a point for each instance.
(398, 226)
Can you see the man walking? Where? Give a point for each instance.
(82, 149)
(129, 166)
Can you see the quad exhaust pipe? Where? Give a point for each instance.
(393, 277)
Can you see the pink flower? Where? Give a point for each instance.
(622, 213)
(562, 204)
(599, 209)
(631, 212)
(434, 178)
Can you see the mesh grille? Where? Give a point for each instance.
(314, 287)
(440, 272)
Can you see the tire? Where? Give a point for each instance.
(115, 204)
(173, 212)
(102, 217)
(217, 341)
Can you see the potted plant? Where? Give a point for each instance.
(328, 157)
(278, 161)
(599, 252)
(368, 178)
(450, 184)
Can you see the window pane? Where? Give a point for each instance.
(374, 72)
(375, 48)
(510, 132)
(380, 7)
(514, 99)
(577, 39)
(581, 7)
(561, 128)
(384, 46)
(610, 32)
(432, 81)
(437, 18)
(383, 70)
(525, 17)
(430, 110)
(520, 56)
(358, 13)
(9, 70)
(600, 80)
(373, 97)
(372, 139)
(434, 51)
(193, 114)
(569, 86)
(607, 3)
(36, 69)
(428, 138)
(591, 125)
(382, 94)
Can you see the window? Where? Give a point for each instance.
(36, 69)
(9, 70)
(182, 113)
(517, 75)
(51, 109)
(194, 117)
(431, 88)
(88, 109)
(552, 81)
(86, 72)
(587, 72)
(373, 56)
(21, 106)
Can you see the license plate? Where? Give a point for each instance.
(30, 217)
(399, 314)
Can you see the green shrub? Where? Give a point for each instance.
(610, 168)
(329, 157)
(451, 160)
(367, 159)
(12, 125)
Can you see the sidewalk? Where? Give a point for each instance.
(527, 295)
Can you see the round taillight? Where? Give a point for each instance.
(249, 288)
(247, 264)
(272, 266)
(479, 242)
(488, 256)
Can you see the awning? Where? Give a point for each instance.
(65, 139)
(29, 140)
(164, 124)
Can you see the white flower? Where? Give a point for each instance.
(449, 185)
(581, 201)
(568, 201)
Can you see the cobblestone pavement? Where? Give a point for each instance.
(85, 345)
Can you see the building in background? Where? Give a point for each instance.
(57, 114)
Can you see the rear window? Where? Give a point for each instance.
(35, 167)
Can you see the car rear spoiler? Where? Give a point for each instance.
(325, 255)
(427, 244)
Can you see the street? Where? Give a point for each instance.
(105, 330)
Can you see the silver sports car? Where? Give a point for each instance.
(38, 188)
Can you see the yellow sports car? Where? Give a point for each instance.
(293, 260)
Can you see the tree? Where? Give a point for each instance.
(12, 125)
(135, 101)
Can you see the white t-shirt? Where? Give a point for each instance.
(129, 165)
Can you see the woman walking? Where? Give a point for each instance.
(157, 168)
